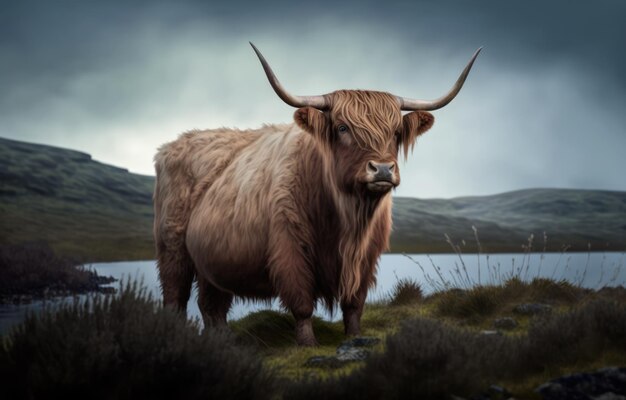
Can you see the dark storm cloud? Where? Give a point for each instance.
(58, 39)
(543, 106)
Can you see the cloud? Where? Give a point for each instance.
(541, 107)
(516, 132)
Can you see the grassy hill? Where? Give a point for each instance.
(97, 212)
(82, 208)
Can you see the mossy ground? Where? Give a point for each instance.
(472, 310)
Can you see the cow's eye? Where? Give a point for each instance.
(342, 129)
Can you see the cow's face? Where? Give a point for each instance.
(364, 131)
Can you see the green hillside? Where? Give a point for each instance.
(82, 208)
(97, 212)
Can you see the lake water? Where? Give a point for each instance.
(592, 270)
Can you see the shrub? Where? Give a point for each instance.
(543, 289)
(406, 291)
(33, 269)
(125, 347)
(472, 303)
(576, 336)
(484, 301)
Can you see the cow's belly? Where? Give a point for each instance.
(229, 227)
(227, 238)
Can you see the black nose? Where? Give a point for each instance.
(382, 171)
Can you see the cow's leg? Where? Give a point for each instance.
(293, 280)
(291, 273)
(352, 310)
(214, 304)
(176, 272)
(296, 295)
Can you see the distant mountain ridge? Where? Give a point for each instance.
(98, 212)
(573, 217)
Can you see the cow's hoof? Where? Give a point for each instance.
(353, 332)
(307, 342)
(304, 333)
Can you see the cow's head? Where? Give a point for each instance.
(363, 131)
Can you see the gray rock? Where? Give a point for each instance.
(604, 384)
(610, 396)
(505, 323)
(491, 333)
(494, 392)
(353, 354)
(532, 308)
(498, 393)
(357, 342)
(348, 351)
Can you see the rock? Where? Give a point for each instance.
(498, 393)
(532, 308)
(610, 396)
(494, 392)
(604, 384)
(357, 342)
(505, 323)
(348, 351)
(491, 333)
(353, 354)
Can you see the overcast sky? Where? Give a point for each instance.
(544, 106)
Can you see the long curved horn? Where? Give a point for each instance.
(413, 104)
(318, 102)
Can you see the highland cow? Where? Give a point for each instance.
(301, 212)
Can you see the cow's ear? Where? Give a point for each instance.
(414, 124)
(311, 120)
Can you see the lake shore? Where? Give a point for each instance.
(485, 319)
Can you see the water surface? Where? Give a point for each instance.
(591, 270)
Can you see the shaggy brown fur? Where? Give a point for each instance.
(285, 210)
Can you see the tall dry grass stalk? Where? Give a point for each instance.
(459, 276)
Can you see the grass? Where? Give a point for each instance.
(592, 316)
(481, 302)
(429, 349)
(432, 359)
(434, 344)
